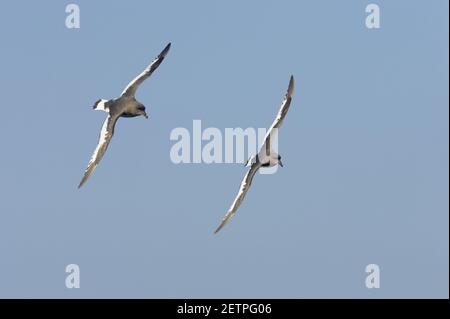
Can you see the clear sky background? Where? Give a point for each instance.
(365, 148)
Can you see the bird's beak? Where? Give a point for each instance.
(280, 163)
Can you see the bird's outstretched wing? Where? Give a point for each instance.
(106, 134)
(280, 116)
(245, 185)
(131, 88)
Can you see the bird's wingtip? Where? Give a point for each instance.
(224, 222)
(82, 182)
(167, 48)
(291, 86)
(221, 226)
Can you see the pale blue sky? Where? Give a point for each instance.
(365, 148)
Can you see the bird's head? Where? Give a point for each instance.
(142, 112)
(101, 105)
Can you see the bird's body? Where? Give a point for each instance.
(125, 105)
(265, 159)
(266, 156)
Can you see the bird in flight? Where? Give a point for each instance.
(124, 106)
(266, 156)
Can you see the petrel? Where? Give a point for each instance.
(124, 106)
(266, 156)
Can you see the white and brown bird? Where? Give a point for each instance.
(125, 105)
(266, 156)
